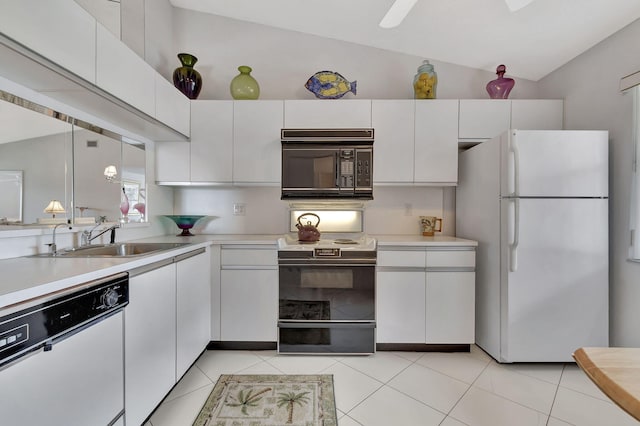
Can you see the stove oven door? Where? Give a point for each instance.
(326, 308)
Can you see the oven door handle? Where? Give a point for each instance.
(326, 324)
(310, 263)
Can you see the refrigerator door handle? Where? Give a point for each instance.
(515, 168)
(513, 258)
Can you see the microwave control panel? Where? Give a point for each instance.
(364, 167)
(356, 168)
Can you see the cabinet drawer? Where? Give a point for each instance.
(249, 257)
(454, 259)
(402, 258)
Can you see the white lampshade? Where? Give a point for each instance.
(110, 172)
(54, 207)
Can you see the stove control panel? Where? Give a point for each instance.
(326, 252)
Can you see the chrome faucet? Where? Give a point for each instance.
(53, 249)
(87, 236)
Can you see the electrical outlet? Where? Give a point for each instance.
(239, 209)
(408, 209)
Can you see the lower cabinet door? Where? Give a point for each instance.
(400, 307)
(450, 316)
(193, 304)
(150, 342)
(249, 305)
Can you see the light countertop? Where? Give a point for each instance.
(23, 278)
(419, 240)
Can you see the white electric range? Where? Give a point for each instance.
(327, 295)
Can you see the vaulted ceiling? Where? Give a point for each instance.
(532, 41)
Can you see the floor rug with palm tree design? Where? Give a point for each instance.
(270, 400)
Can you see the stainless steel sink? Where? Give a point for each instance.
(124, 249)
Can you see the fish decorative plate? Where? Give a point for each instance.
(329, 85)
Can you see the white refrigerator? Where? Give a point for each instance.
(537, 203)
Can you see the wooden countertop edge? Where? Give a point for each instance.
(618, 394)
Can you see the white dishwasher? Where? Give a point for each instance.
(62, 357)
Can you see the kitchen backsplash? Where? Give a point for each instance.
(394, 210)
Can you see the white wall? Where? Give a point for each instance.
(282, 61)
(589, 86)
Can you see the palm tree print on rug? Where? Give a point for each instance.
(270, 400)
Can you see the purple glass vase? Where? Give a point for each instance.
(501, 86)
(185, 78)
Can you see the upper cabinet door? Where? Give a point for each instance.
(256, 142)
(59, 30)
(537, 114)
(172, 162)
(484, 118)
(436, 141)
(121, 72)
(327, 113)
(172, 107)
(211, 141)
(393, 123)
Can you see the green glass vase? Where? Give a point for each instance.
(244, 86)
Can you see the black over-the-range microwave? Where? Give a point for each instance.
(327, 164)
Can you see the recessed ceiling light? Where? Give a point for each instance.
(397, 12)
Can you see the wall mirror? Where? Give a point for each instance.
(109, 177)
(37, 144)
(59, 158)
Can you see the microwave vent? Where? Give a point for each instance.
(329, 135)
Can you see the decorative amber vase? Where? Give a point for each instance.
(243, 85)
(186, 78)
(425, 82)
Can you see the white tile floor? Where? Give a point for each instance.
(410, 388)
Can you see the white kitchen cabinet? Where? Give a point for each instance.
(211, 141)
(150, 341)
(483, 118)
(59, 30)
(215, 293)
(425, 295)
(436, 142)
(393, 122)
(173, 108)
(122, 73)
(400, 307)
(327, 113)
(256, 292)
(193, 309)
(172, 162)
(537, 114)
(450, 307)
(256, 142)
(248, 279)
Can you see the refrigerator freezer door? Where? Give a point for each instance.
(556, 300)
(555, 163)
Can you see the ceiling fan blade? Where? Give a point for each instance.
(396, 13)
(515, 5)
